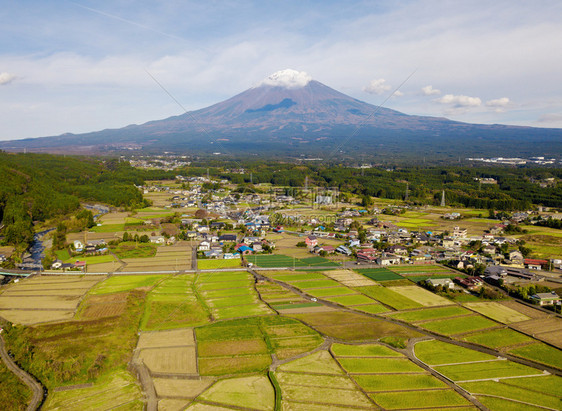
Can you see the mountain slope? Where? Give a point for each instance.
(289, 114)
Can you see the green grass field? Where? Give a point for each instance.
(304, 285)
(459, 325)
(214, 264)
(540, 352)
(436, 352)
(117, 391)
(108, 228)
(388, 297)
(131, 249)
(482, 370)
(371, 308)
(255, 392)
(397, 382)
(378, 365)
(120, 283)
(498, 338)
(347, 300)
(364, 350)
(421, 295)
(430, 313)
(280, 260)
(379, 274)
(497, 312)
(503, 388)
(412, 399)
(332, 291)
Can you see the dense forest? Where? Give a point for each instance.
(514, 188)
(38, 187)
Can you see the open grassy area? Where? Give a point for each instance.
(503, 388)
(482, 370)
(540, 352)
(255, 392)
(498, 338)
(78, 351)
(120, 283)
(213, 264)
(458, 325)
(364, 350)
(389, 297)
(379, 274)
(430, 313)
(497, 311)
(436, 352)
(353, 327)
(411, 399)
(132, 249)
(421, 295)
(118, 390)
(350, 300)
(14, 393)
(378, 365)
(373, 383)
(281, 260)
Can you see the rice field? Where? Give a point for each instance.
(434, 352)
(497, 312)
(504, 337)
(379, 274)
(421, 295)
(118, 390)
(389, 297)
(430, 313)
(459, 325)
(255, 392)
(485, 370)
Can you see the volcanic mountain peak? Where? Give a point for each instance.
(289, 78)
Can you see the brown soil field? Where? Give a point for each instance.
(168, 387)
(58, 292)
(105, 310)
(69, 303)
(114, 218)
(172, 338)
(104, 267)
(238, 347)
(349, 278)
(307, 310)
(84, 287)
(169, 404)
(30, 317)
(353, 326)
(179, 360)
(547, 329)
(524, 309)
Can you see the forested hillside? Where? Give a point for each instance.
(512, 188)
(37, 187)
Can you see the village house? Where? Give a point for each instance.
(534, 264)
(443, 282)
(545, 298)
(311, 241)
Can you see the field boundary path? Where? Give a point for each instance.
(34, 386)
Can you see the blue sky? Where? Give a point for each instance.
(78, 66)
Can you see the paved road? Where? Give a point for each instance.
(27, 379)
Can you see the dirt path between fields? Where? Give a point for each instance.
(27, 379)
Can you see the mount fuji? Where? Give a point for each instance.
(290, 114)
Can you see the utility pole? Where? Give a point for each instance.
(443, 199)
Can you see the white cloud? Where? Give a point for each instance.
(377, 87)
(288, 78)
(430, 91)
(499, 104)
(6, 78)
(397, 93)
(460, 101)
(551, 118)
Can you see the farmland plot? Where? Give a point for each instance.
(497, 311)
(545, 329)
(255, 392)
(421, 295)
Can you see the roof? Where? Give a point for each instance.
(533, 261)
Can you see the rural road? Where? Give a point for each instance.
(27, 379)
